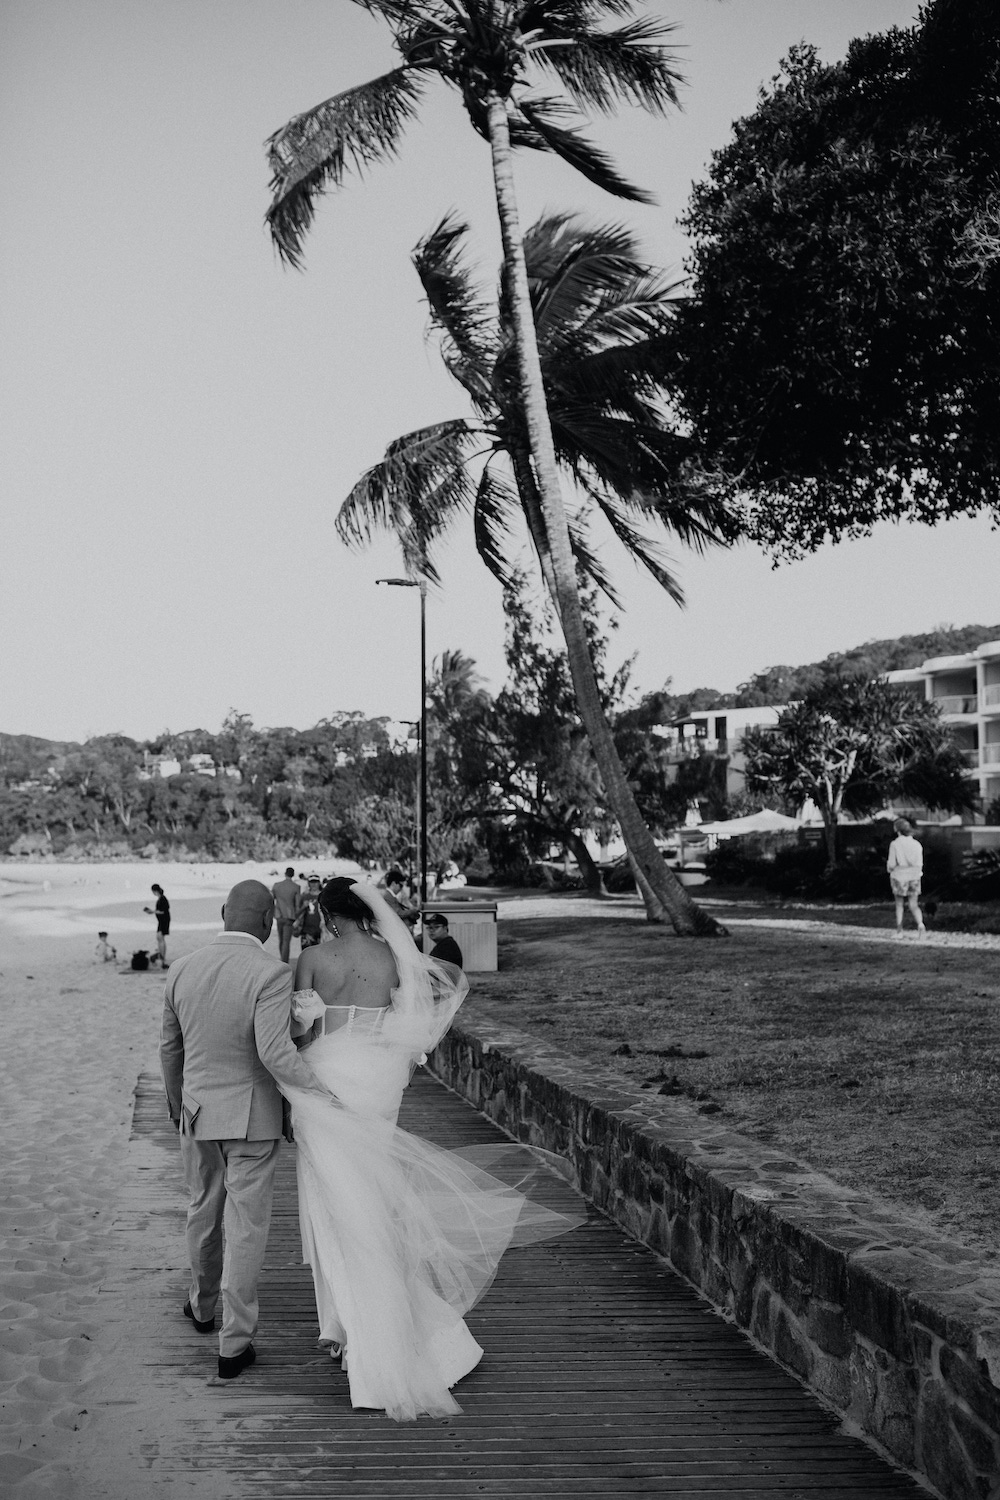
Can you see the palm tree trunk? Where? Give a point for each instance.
(593, 878)
(531, 500)
(669, 895)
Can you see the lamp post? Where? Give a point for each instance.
(414, 583)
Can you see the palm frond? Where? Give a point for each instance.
(588, 562)
(568, 16)
(607, 68)
(497, 504)
(643, 548)
(315, 150)
(419, 486)
(464, 320)
(577, 151)
(637, 308)
(597, 295)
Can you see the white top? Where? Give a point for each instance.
(906, 855)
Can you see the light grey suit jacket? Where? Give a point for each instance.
(225, 1041)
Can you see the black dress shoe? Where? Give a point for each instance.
(230, 1368)
(206, 1325)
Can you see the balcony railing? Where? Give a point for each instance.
(690, 747)
(958, 705)
(991, 695)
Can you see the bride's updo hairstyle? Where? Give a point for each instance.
(338, 899)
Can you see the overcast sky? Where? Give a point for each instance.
(181, 416)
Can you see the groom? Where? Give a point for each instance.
(224, 1047)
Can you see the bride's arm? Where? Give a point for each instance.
(303, 1031)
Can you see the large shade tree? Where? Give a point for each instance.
(841, 347)
(502, 56)
(850, 745)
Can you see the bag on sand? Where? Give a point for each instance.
(140, 959)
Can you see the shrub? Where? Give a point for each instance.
(963, 916)
(729, 864)
(980, 874)
(618, 876)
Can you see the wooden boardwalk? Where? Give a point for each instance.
(604, 1376)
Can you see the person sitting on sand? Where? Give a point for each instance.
(104, 953)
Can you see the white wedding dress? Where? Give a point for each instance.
(403, 1237)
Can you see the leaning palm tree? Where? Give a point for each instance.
(604, 326)
(497, 54)
(604, 322)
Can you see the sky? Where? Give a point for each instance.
(180, 416)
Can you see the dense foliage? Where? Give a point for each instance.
(841, 349)
(244, 792)
(522, 763)
(849, 746)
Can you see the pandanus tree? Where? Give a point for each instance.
(501, 55)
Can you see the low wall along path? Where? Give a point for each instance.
(897, 1330)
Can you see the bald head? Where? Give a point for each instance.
(249, 908)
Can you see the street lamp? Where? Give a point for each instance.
(415, 583)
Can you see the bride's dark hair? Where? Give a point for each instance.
(337, 899)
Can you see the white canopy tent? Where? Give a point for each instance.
(759, 822)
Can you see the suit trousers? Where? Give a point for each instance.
(284, 926)
(230, 1186)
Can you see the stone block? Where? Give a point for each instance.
(763, 1315)
(831, 1379)
(828, 1328)
(972, 1383)
(938, 1452)
(981, 1444)
(876, 1306)
(684, 1249)
(791, 1345)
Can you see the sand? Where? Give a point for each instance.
(74, 1037)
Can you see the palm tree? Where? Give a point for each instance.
(496, 53)
(604, 320)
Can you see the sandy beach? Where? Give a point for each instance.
(74, 1037)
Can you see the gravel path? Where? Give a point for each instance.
(522, 908)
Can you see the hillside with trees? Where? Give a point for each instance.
(511, 774)
(785, 684)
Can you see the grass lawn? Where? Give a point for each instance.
(879, 1063)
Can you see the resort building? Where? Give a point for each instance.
(966, 690)
(718, 732)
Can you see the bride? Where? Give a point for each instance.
(403, 1238)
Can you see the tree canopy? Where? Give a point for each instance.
(850, 746)
(840, 352)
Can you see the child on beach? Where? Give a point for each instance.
(104, 953)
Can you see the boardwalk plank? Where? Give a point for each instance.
(603, 1375)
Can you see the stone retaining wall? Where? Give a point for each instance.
(896, 1328)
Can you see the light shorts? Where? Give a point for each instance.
(905, 885)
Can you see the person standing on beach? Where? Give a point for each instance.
(162, 914)
(906, 867)
(225, 1047)
(287, 899)
(309, 922)
(393, 888)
